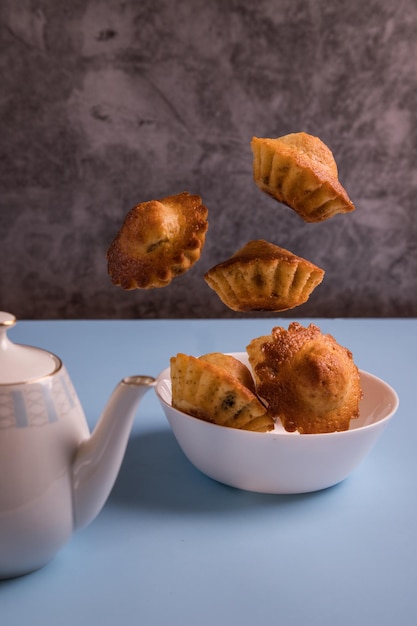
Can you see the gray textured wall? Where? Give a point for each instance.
(108, 104)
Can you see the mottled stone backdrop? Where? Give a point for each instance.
(108, 104)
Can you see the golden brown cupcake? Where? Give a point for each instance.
(232, 365)
(299, 170)
(263, 277)
(158, 241)
(306, 379)
(212, 394)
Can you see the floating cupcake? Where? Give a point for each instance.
(264, 277)
(158, 241)
(299, 170)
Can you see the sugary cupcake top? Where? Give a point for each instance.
(158, 241)
(306, 378)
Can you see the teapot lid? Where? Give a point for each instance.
(19, 363)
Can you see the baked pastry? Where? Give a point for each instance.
(210, 393)
(263, 277)
(232, 365)
(299, 170)
(158, 241)
(306, 379)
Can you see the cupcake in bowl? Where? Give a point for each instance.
(278, 461)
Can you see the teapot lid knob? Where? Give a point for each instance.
(7, 320)
(18, 363)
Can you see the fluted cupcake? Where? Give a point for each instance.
(299, 170)
(264, 277)
(235, 367)
(158, 241)
(211, 393)
(307, 380)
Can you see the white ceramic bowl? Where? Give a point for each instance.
(279, 462)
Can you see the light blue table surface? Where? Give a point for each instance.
(173, 547)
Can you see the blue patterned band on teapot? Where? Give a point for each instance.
(37, 404)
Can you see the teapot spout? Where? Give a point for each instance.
(99, 457)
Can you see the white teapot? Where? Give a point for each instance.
(54, 476)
